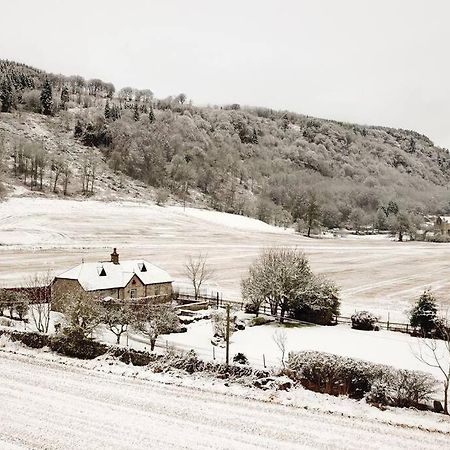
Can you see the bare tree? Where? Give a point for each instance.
(57, 167)
(280, 338)
(38, 286)
(198, 272)
(435, 352)
(66, 173)
(156, 320)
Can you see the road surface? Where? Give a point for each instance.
(46, 405)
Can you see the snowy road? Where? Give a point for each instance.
(45, 405)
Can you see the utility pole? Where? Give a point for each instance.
(227, 337)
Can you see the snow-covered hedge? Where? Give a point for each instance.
(339, 375)
(403, 388)
(332, 374)
(364, 320)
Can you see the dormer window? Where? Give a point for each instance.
(101, 271)
(142, 267)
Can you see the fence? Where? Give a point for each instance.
(383, 325)
(218, 301)
(37, 294)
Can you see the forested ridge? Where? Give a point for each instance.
(278, 166)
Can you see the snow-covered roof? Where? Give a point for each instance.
(107, 275)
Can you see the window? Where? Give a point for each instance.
(133, 293)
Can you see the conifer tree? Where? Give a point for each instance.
(151, 115)
(107, 110)
(6, 96)
(47, 98)
(254, 137)
(424, 313)
(64, 96)
(136, 112)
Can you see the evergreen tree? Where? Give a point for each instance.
(151, 115)
(47, 99)
(136, 112)
(254, 137)
(64, 96)
(107, 110)
(423, 315)
(6, 96)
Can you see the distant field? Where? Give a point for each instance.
(375, 273)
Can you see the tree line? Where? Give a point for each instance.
(280, 167)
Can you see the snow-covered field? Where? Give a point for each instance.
(37, 234)
(50, 402)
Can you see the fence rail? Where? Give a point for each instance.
(219, 302)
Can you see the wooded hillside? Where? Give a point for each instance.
(278, 166)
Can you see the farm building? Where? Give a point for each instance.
(115, 279)
(442, 225)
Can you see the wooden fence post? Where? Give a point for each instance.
(264, 360)
(227, 354)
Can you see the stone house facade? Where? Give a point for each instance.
(115, 280)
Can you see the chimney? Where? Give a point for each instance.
(115, 257)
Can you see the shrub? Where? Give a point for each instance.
(261, 320)
(364, 320)
(338, 375)
(251, 308)
(403, 388)
(162, 195)
(134, 357)
(439, 238)
(240, 358)
(424, 313)
(30, 339)
(332, 374)
(75, 344)
(318, 303)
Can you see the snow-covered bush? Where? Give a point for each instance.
(404, 388)
(364, 320)
(73, 342)
(5, 322)
(28, 338)
(381, 384)
(332, 374)
(240, 358)
(260, 320)
(252, 307)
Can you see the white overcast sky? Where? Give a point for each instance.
(381, 62)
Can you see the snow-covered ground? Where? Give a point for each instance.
(52, 402)
(39, 234)
(257, 343)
